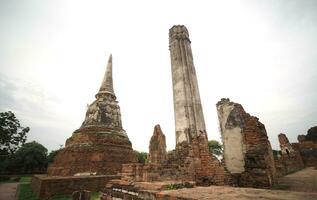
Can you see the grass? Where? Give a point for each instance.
(14, 179)
(25, 192)
(25, 179)
(94, 196)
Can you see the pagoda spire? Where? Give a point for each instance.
(107, 83)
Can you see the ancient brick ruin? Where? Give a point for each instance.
(94, 153)
(298, 155)
(247, 151)
(188, 112)
(190, 163)
(157, 148)
(100, 145)
(186, 166)
(307, 146)
(290, 159)
(99, 154)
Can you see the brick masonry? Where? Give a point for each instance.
(247, 151)
(290, 159)
(46, 186)
(93, 150)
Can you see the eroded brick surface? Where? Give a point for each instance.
(100, 145)
(157, 148)
(247, 151)
(290, 159)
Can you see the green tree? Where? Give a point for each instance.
(141, 156)
(31, 157)
(51, 156)
(12, 134)
(215, 147)
(276, 154)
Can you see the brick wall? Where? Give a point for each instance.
(45, 186)
(248, 156)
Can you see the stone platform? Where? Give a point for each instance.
(46, 186)
(169, 191)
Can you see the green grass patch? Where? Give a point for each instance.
(25, 179)
(95, 196)
(26, 193)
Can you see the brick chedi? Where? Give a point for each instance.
(157, 148)
(247, 151)
(100, 145)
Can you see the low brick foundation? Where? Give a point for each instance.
(46, 186)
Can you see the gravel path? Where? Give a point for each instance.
(7, 191)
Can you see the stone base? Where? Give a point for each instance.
(119, 189)
(46, 186)
(93, 150)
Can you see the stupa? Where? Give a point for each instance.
(100, 146)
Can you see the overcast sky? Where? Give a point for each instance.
(53, 54)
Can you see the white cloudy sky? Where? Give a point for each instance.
(53, 54)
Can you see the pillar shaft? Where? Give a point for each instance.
(189, 118)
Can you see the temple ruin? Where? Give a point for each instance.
(298, 155)
(289, 159)
(99, 147)
(190, 163)
(99, 155)
(247, 151)
(307, 146)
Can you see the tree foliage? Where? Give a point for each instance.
(51, 156)
(142, 156)
(215, 147)
(276, 154)
(12, 134)
(31, 157)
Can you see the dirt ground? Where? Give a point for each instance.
(301, 181)
(301, 185)
(7, 191)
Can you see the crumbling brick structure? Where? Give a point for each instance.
(307, 146)
(247, 151)
(290, 156)
(157, 148)
(100, 145)
(188, 162)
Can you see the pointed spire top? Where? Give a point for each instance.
(107, 83)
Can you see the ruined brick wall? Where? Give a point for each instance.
(157, 149)
(290, 156)
(307, 146)
(188, 162)
(45, 186)
(247, 151)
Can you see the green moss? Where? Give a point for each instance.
(174, 186)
